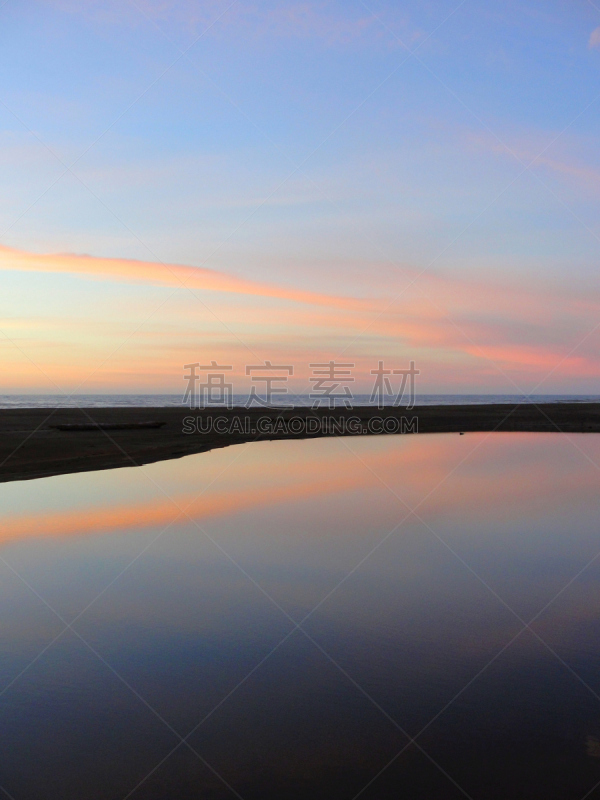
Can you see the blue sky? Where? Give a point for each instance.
(438, 160)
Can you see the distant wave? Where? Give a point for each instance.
(170, 400)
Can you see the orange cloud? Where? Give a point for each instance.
(459, 319)
(175, 275)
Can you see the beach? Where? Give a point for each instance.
(32, 445)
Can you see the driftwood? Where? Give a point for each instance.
(108, 426)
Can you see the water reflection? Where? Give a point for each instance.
(140, 606)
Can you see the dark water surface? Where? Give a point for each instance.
(272, 621)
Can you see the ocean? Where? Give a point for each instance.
(169, 400)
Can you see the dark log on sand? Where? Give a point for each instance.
(107, 426)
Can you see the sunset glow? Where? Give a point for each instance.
(299, 182)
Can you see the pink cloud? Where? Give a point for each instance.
(174, 275)
(594, 38)
(471, 323)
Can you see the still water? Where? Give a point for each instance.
(323, 619)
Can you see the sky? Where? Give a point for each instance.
(299, 182)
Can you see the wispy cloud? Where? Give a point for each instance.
(324, 20)
(525, 329)
(173, 275)
(551, 150)
(595, 38)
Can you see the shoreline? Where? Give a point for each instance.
(32, 446)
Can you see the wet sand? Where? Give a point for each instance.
(32, 447)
